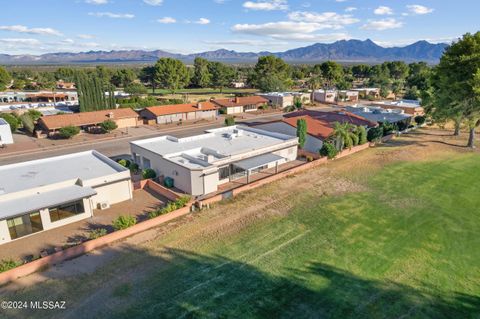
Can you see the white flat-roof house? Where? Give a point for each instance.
(52, 192)
(199, 164)
(325, 96)
(285, 99)
(5, 133)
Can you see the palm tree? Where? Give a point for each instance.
(341, 133)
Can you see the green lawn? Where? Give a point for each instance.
(406, 246)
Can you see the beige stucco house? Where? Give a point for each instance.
(48, 193)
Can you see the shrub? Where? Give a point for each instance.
(402, 126)
(27, 123)
(134, 167)
(148, 173)
(123, 222)
(388, 128)
(108, 126)
(68, 131)
(97, 233)
(229, 121)
(309, 158)
(124, 163)
(34, 114)
(375, 134)
(354, 138)
(329, 150)
(8, 264)
(362, 135)
(11, 120)
(170, 207)
(420, 120)
(222, 111)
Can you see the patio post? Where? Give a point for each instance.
(276, 167)
(248, 176)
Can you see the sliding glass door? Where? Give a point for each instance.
(25, 225)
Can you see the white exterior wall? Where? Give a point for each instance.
(171, 118)
(181, 175)
(47, 223)
(4, 233)
(312, 144)
(235, 110)
(5, 134)
(112, 193)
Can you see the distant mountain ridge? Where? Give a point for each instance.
(341, 51)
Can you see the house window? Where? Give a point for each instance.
(250, 107)
(146, 163)
(24, 225)
(66, 211)
(223, 172)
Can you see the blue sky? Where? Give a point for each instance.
(187, 26)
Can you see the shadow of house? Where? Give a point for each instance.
(173, 283)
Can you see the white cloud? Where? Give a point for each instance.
(289, 30)
(328, 20)
(14, 41)
(383, 24)
(154, 2)
(85, 36)
(383, 10)
(112, 15)
(266, 5)
(24, 29)
(96, 1)
(418, 9)
(350, 9)
(202, 21)
(167, 20)
(340, 0)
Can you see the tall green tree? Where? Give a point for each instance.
(201, 75)
(147, 75)
(5, 79)
(341, 133)
(302, 132)
(123, 78)
(332, 73)
(91, 93)
(457, 86)
(271, 74)
(221, 75)
(171, 74)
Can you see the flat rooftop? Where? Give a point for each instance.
(401, 103)
(27, 175)
(202, 151)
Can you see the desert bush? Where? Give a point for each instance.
(27, 123)
(329, 150)
(8, 264)
(123, 222)
(420, 119)
(108, 126)
(34, 114)
(124, 163)
(229, 121)
(375, 134)
(67, 132)
(134, 167)
(170, 207)
(362, 135)
(148, 173)
(97, 233)
(354, 137)
(12, 120)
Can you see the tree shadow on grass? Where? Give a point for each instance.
(184, 284)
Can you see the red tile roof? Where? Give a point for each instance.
(52, 122)
(240, 101)
(316, 128)
(332, 117)
(180, 108)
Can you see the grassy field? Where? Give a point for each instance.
(392, 232)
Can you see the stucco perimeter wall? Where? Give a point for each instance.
(88, 246)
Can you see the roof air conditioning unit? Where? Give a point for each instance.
(103, 205)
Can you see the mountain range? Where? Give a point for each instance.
(342, 51)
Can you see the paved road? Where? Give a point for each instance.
(120, 146)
